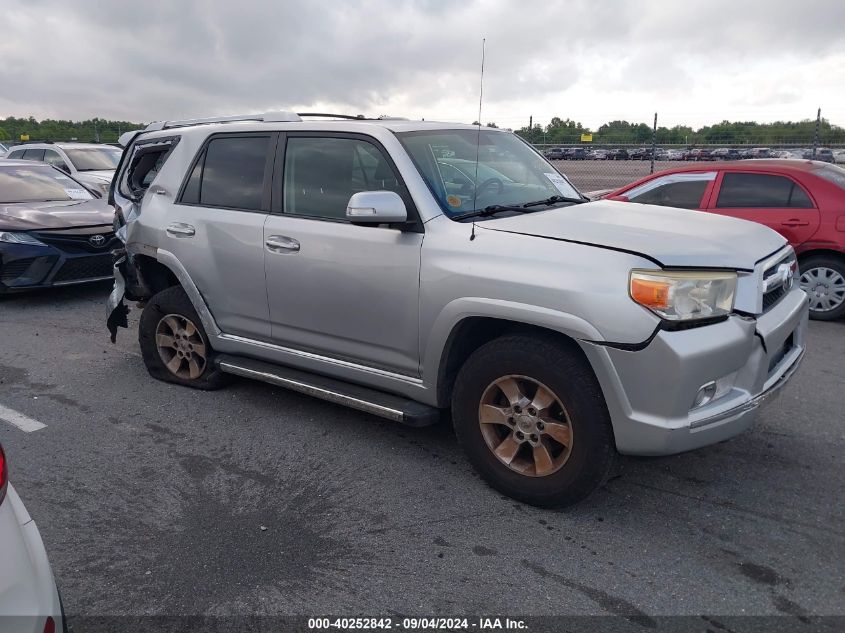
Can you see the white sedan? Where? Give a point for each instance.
(29, 600)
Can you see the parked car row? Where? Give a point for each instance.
(694, 155)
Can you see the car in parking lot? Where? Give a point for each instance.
(725, 153)
(390, 287)
(555, 153)
(91, 164)
(802, 200)
(53, 231)
(823, 154)
(699, 154)
(617, 153)
(29, 599)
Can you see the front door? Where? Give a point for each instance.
(336, 289)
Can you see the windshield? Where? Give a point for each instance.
(509, 172)
(94, 158)
(38, 184)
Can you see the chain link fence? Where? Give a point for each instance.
(609, 166)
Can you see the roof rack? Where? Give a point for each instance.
(278, 116)
(333, 116)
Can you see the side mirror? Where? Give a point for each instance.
(376, 207)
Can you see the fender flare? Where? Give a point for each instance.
(172, 262)
(458, 310)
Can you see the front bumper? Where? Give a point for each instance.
(28, 594)
(650, 392)
(25, 267)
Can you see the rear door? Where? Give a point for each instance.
(216, 228)
(776, 200)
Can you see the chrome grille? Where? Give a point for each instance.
(778, 279)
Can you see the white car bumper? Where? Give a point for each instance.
(28, 594)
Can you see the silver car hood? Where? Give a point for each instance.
(672, 237)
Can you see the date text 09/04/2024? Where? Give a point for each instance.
(431, 623)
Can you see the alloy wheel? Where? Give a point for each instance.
(180, 346)
(525, 425)
(825, 287)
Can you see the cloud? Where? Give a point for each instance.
(160, 59)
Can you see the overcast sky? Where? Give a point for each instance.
(593, 61)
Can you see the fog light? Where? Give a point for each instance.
(705, 394)
(714, 390)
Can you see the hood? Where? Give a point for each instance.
(29, 216)
(102, 175)
(672, 237)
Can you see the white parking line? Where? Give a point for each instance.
(28, 425)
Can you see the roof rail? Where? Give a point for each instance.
(332, 116)
(276, 116)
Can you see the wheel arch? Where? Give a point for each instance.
(164, 271)
(823, 252)
(470, 331)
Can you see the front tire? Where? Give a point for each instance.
(532, 420)
(823, 279)
(174, 344)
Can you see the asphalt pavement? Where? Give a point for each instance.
(154, 499)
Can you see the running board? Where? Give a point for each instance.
(378, 403)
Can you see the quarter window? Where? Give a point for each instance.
(683, 190)
(321, 174)
(741, 191)
(230, 173)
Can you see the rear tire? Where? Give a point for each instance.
(823, 279)
(548, 456)
(174, 344)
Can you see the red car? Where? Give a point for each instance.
(802, 200)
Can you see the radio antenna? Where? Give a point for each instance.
(478, 132)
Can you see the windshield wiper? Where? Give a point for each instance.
(523, 208)
(487, 211)
(554, 200)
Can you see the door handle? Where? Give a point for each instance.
(179, 229)
(282, 244)
(795, 222)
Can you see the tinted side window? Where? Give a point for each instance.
(683, 194)
(760, 190)
(233, 172)
(321, 174)
(33, 154)
(16, 153)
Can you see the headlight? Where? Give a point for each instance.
(684, 295)
(19, 238)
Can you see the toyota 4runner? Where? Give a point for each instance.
(407, 268)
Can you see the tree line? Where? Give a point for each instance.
(567, 131)
(558, 131)
(92, 130)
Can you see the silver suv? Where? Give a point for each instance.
(408, 268)
(91, 164)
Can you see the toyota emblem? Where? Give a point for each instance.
(97, 240)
